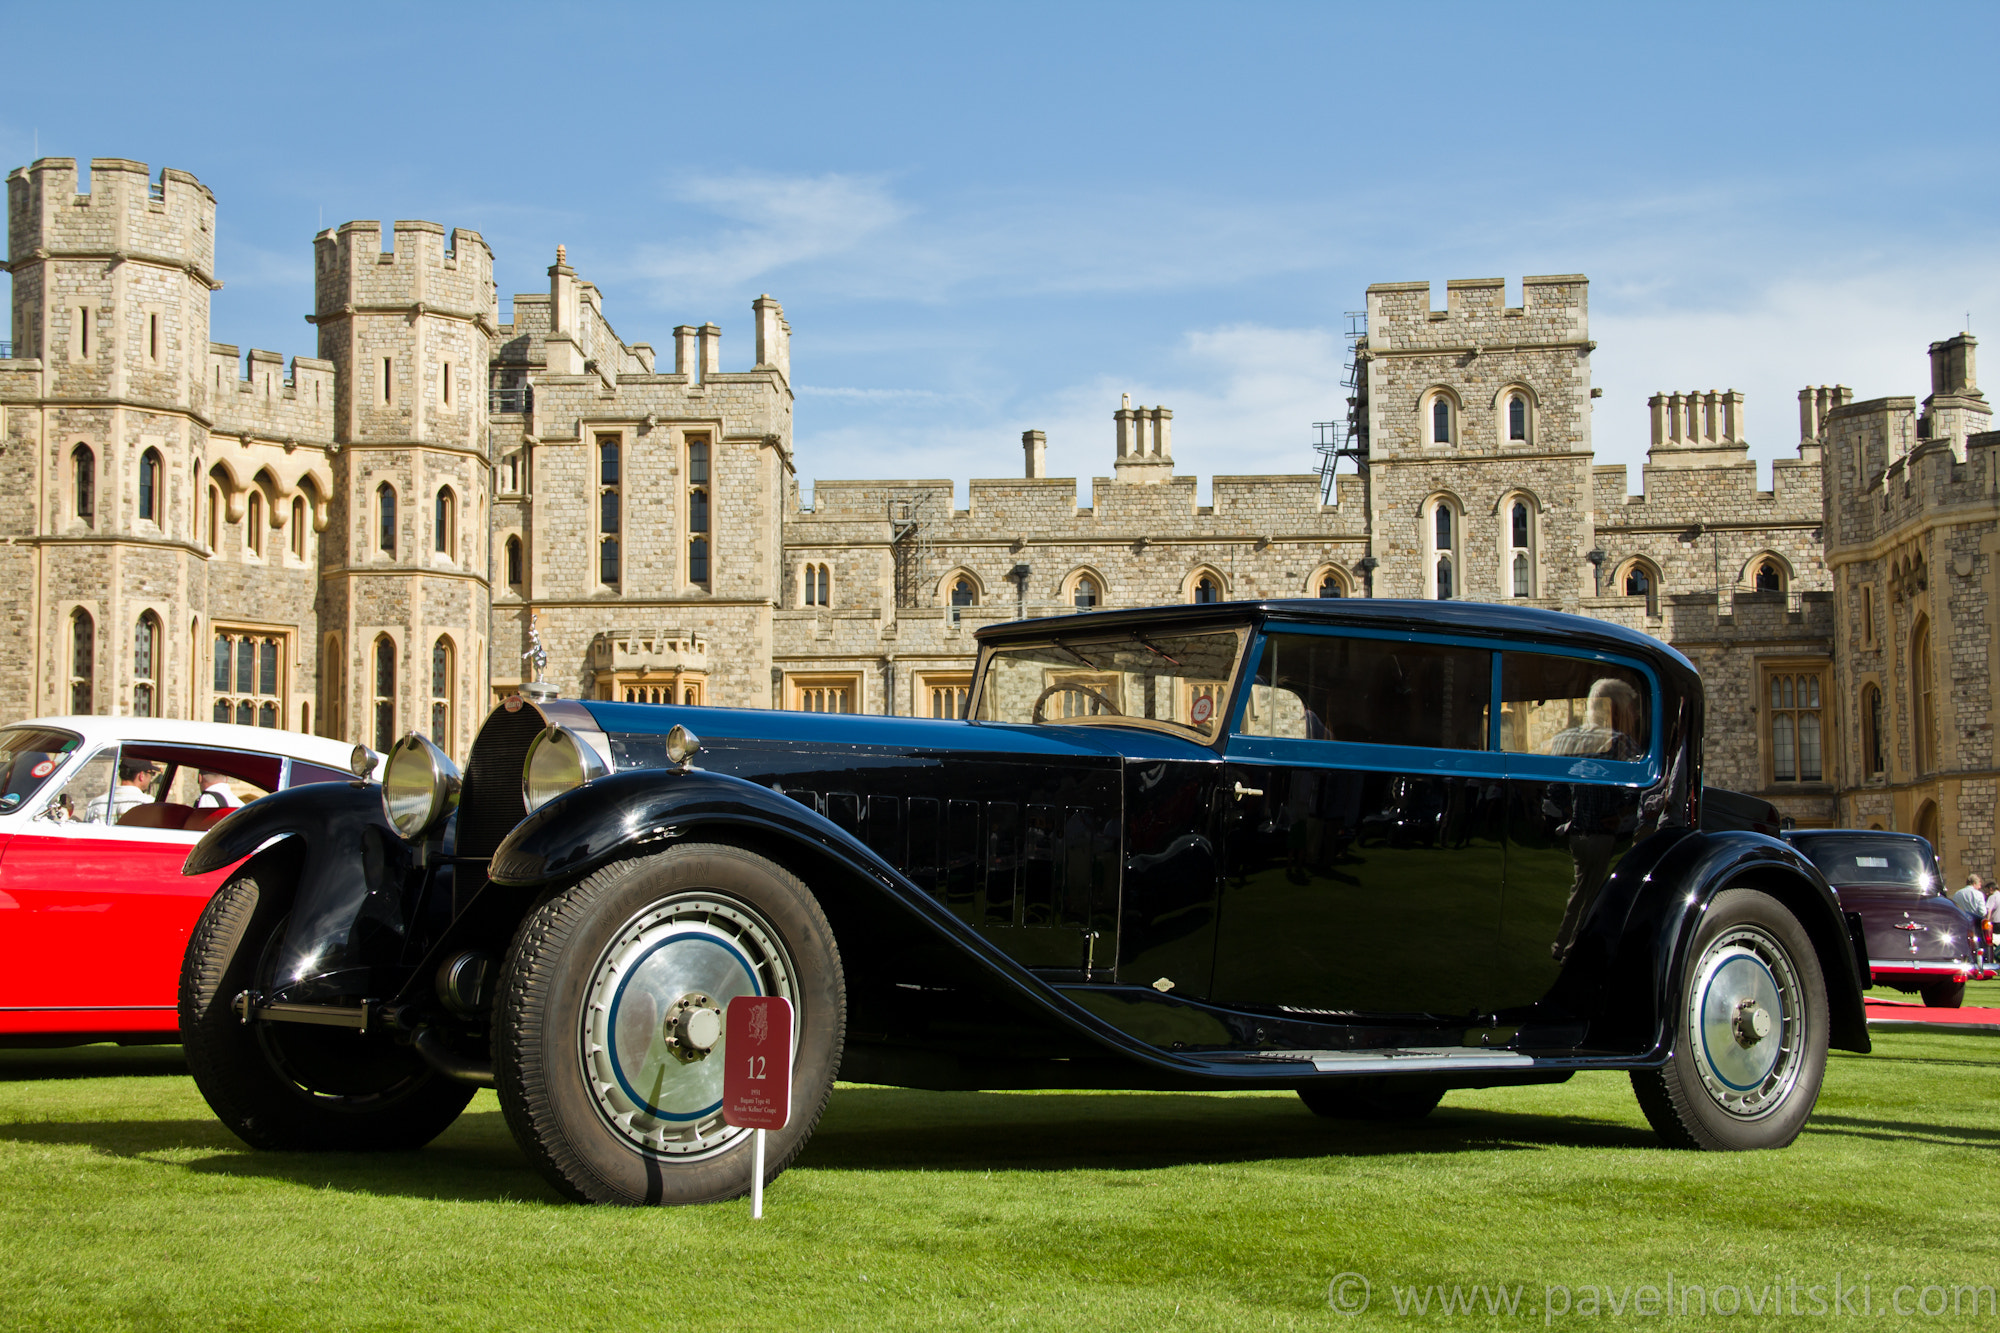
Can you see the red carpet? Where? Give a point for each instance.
(1914, 1014)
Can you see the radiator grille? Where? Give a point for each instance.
(490, 804)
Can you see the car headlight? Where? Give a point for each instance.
(419, 786)
(558, 761)
(361, 762)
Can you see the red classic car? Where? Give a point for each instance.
(96, 816)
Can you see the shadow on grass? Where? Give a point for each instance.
(474, 1161)
(23, 1065)
(1904, 1131)
(891, 1129)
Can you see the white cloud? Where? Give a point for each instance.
(772, 222)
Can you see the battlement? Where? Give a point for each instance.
(448, 273)
(124, 214)
(1476, 314)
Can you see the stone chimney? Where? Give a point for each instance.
(1036, 446)
(685, 362)
(1699, 429)
(1816, 403)
(1145, 444)
(711, 351)
(564, 345)
(774, 336)
(1955, 408)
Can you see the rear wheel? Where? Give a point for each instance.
(1750, 1039)
(1942, 994)
(294, 1085)
(608, 1034)
(1384, 1099)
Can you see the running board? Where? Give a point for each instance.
(1401, 1060)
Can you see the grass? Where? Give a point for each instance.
(125, 1206)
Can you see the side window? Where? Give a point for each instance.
(1571, 706)
(82, 798)
(1370, 692)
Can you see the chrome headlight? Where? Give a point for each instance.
(361, 762)
(419, 786)
(682, 744)
(558, 761)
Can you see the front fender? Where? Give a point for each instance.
(346, 910)
(1676, 893)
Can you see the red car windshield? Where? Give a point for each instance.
(28, 755)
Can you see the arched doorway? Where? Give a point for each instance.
(1927, 823)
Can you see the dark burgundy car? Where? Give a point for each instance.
(1919, 940)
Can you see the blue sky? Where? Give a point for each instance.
(983, 219)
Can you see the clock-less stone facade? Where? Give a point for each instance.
(369, 540)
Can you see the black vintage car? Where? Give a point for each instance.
(1919, 940)
(1369, 850)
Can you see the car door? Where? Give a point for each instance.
(1577, 731)
(1362, 834)
(102, 911)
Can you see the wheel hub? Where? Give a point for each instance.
(693, 1027)
(1745, 1018)
(652, 1019)
(1753, 1023)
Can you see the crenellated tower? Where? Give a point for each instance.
(405, 596)
(105, 416)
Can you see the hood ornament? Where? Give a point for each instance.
(537, 657)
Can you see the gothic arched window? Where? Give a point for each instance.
(1085, 596)
(1330, 586)
(1517, 418)
(1206, 589)
(442, 696)
(82, 661)
(83, 471)
(1769, 577)
(513, 562)
(385, 505)
(385, 693)
(145, 666)
(698, 487)
(1440, 421)
(149, 488)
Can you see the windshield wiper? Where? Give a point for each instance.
(1147, 644)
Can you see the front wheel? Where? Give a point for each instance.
(609, 1039)
(1750, 1039)
(294, 1086)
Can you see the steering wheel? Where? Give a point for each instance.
(1061, 688)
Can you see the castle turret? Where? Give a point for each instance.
(106, 552)
(406, 592)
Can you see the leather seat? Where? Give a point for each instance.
(156, 814)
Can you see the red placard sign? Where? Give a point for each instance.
(757, 1046)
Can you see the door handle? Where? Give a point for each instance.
(1242, 791)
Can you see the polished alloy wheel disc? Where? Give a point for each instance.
(651, 1037)
(1746, 1015)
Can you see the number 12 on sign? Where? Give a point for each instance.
(757, 1075)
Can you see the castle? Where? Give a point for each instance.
(360, 544)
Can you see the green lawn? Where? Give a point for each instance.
(127, 1207)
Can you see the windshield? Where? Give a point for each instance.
(1855, 861)
(1171, 680)
(29, 755)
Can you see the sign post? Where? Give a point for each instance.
(757, 1075)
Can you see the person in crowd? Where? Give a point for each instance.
(216, 793)
(1992, 891)
(135, 782)
(1972, 898)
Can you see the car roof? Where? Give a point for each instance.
(97, 729)
(1791, 833)
(1381, 613)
